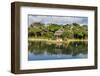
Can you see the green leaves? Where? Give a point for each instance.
(71, 31)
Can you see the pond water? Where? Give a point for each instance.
(41, 50)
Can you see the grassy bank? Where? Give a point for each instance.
(53, 41)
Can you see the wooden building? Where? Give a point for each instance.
(58, 34)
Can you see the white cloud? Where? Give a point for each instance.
(57, 19)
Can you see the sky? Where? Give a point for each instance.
(57, 19)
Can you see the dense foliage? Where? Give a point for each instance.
(70, 31)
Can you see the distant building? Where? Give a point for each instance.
(58, 34)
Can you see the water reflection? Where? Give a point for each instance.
(47, 51)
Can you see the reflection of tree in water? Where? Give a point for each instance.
(73, 48)
(78, 47)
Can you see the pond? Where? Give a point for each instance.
(42, 50)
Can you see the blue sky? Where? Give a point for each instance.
(57, 19)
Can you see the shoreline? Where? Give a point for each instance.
(50, 40)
